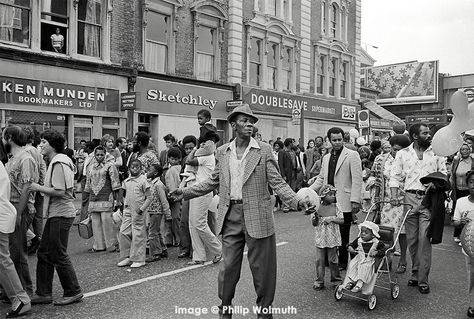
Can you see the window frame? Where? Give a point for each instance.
(29, 9)
(259, 43)
(214, 35)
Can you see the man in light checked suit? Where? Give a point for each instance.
(243, 172)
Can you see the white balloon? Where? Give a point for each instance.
(361, 141)
(354, 133)
(311, 195)
(446, 141)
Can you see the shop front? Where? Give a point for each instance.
(275, 110)
(82, 105)
(165, 106)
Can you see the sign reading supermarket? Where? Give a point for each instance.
(269, 102)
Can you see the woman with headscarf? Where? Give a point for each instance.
(462, 164)
(391, 215)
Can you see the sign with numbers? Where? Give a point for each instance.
(348, 112)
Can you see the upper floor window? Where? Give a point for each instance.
(332, 77)
(324, 17)
(255, 69)
(89, 27)
(209, 36)
(321, 73)
(272, 65)
(156, 42)
(343, 88)
(205, 53)
(286, 69)
(54, 26)
(15, 21)
(332, 71)
(334, 18)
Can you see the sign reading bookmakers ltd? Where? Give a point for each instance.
(269, 102)
(18, 91)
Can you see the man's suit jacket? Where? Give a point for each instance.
(260, 171)
(285, 163)
(347, 177)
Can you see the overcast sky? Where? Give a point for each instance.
(423, 30)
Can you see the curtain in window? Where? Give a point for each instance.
(7, 15)
(155, 57)
(271, 78)
(92, 32)
(204, 67)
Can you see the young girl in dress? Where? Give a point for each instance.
(362, 267)
(327, 238)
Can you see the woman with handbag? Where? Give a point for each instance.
(58, 191)
(462, 163)
(391, 215)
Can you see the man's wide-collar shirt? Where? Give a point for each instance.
(237, 167)
(408, 168)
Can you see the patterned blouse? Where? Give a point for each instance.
(328, 236)
(102, 180)
(159, 203)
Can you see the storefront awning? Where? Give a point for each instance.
(381, 112)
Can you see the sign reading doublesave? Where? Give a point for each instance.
(281, 103)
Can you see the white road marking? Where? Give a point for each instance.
(162, 275)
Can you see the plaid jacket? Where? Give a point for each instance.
(261, 171)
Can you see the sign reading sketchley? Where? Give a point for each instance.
(17, 91)
(281, 103)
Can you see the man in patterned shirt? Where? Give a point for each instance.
(410, 164)
(141, 152)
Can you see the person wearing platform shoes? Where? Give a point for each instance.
(245, 169)
(58, 191)
(409, 166)
(12, 290)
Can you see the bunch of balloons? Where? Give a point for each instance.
(448, 139)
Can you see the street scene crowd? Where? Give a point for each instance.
(209, 201)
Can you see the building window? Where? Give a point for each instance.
(272, 66)
(89, 27)
(54, 26)
(205, 53)
(286, 69)
(272, 7)
(15, 21)
(321, 67)
(343, 88)
(332, 77)
(324, 17)
(255, 72)
(156, 42)
(334, 14)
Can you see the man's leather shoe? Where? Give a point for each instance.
(41, 300)
(470, 312)
(413, 283)
(164, 254)
(64, 301)
(424, 289)
(20, 310)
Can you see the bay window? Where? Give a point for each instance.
(15, 21)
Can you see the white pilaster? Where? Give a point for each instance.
(235, 36)
(358, 52)
(305, 50)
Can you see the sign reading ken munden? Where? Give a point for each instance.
(53, 94)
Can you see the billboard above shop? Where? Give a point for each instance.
(277, 103)
(402, 83)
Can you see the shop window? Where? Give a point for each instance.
(205, 53)
(110, 121)
(54, 25)
(15, 21)
(156, 43)
(332, 77)
(321, 73)
(286, 68)
(272, 65)
(255, 72)
(343, 89)
(89, 27)
(38, 122)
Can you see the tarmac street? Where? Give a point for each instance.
(171, 289)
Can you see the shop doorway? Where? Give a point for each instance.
(222, 132)
(82, 130)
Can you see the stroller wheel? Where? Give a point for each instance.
(338, 293)
(395, 290)
(372, 302)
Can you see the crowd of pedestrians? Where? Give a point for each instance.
(142, 202)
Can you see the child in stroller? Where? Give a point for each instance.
(367, 248)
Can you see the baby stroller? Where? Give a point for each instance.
(382, 265)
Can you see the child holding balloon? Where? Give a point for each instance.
(327, 237)
(463, 214)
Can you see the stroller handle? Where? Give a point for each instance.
(410, 206)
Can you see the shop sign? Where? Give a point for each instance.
(412, 119)
(282, 103)
(470, 94)
(128, 101)
(230, 105)
(43, 93)
(296, 116)
(169, 97)
(380, 124)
